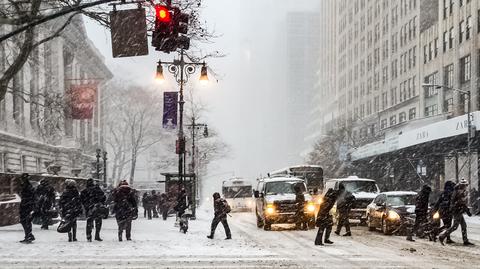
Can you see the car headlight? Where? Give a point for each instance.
(310, 207)
(436, 215)
(392, 215)
(320, 200)
(270, 209)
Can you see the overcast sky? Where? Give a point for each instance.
(246, 104)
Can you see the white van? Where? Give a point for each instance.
(364, 190)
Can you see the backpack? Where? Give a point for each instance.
(227, 207)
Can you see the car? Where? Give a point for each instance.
(364, 190)
(275, 202)
(392, 212)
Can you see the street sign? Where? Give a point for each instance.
(129, 33)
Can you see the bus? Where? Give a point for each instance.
(238, 193)
(312, 174)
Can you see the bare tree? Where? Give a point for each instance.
(133, 126)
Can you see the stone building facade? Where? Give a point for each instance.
(35, 129)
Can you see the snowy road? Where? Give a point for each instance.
(157, 244)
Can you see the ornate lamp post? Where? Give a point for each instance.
(97, 164)
(105, 167)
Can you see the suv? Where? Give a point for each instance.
(275, 202)
(364, 190)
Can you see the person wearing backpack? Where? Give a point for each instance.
(71, 207)
(221, 209)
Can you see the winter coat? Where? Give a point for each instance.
(163, 201)
(421, 203)
(152, 200)
(182, 203)
(45, 195)
(443, 203)
(300, 201)
(91, 196)
(125, 203)
(327, 204)
(70, 203)
(27, 204)
(345, 202)
(458, 202)
(221, 208)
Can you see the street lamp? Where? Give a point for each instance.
(469, 122)
(104, 167)
(159, 76)
(182, 70)
(97, 164)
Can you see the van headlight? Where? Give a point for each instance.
(310, 207)
(270, 209)
(320, 200)
(436, 216)
(392, 215)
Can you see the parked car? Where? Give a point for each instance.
(364, 190)
(392, 212)
(275, 202)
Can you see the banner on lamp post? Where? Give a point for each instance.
(170, 103)
(81, 100)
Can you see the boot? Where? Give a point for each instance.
(337, 232)
(410, 238)
(97, 237)
(89, 238)
(120, 236)
(327, 241)
(449, 241)
(69, 237)
(74, 235)
(318, 239)
(468, 243)
(348, 234)
(210, 236)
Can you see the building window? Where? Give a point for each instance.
(445, 41)
(393, 96)
(465, 68)
(461, 31)
(38, 164)
(402, 117)
(393, 120)
(412, 113)
(448, 107)
(383, 124)
(468, 28)
(431, 80)
(431, 110)
(23, 163)
(384, 100)
(451, 38)
(448, 78)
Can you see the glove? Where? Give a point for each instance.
(469, 213)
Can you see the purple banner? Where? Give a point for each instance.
(170, 102)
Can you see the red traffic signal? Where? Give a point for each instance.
(163, 14)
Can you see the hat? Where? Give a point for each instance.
(463, 182)
(123, 183)
(70, 183)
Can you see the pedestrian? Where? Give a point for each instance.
(300, 220)
(164, 205)
(145, 204)
(345, 202)
(154, 202)
(221, 209)
(125, 208)
(421, 213)
(27, 206)
(182, 204)
(71, 207)
(324, 220)
(45, 195)
(93, 199)
(458, 206)
(442, 206)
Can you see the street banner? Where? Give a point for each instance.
(170, 103)
(81, 101)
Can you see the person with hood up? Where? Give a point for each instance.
(421, 212)
(300, 220)
(45, 195)
(71, 207)
(125, 207)
(345, 202)
(324, 218)
(164, 205)
(182, 204)
(27, 206)
(221, 209)
(92, 199)
(145, 205)
(442, 206)
(458, 206)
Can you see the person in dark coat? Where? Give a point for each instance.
(27, 206)
(345, 202)
(442, 206)
(125, 209)
(458, 206)
(45, 195)
(145, 205)
(71, 207)
(324, 220)
(93, 198)
(164, 205)
(182, 203)
(300, 220)
(221, 209)
(421, 212)
(154, 202)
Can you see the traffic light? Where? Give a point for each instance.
(180, 26)
(163, 26)
(170, 26)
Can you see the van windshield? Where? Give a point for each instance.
(237, 191)
(282, 187)
(360, 186)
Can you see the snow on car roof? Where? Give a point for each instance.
(399, 193)
(275, 179)
(351, 178)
